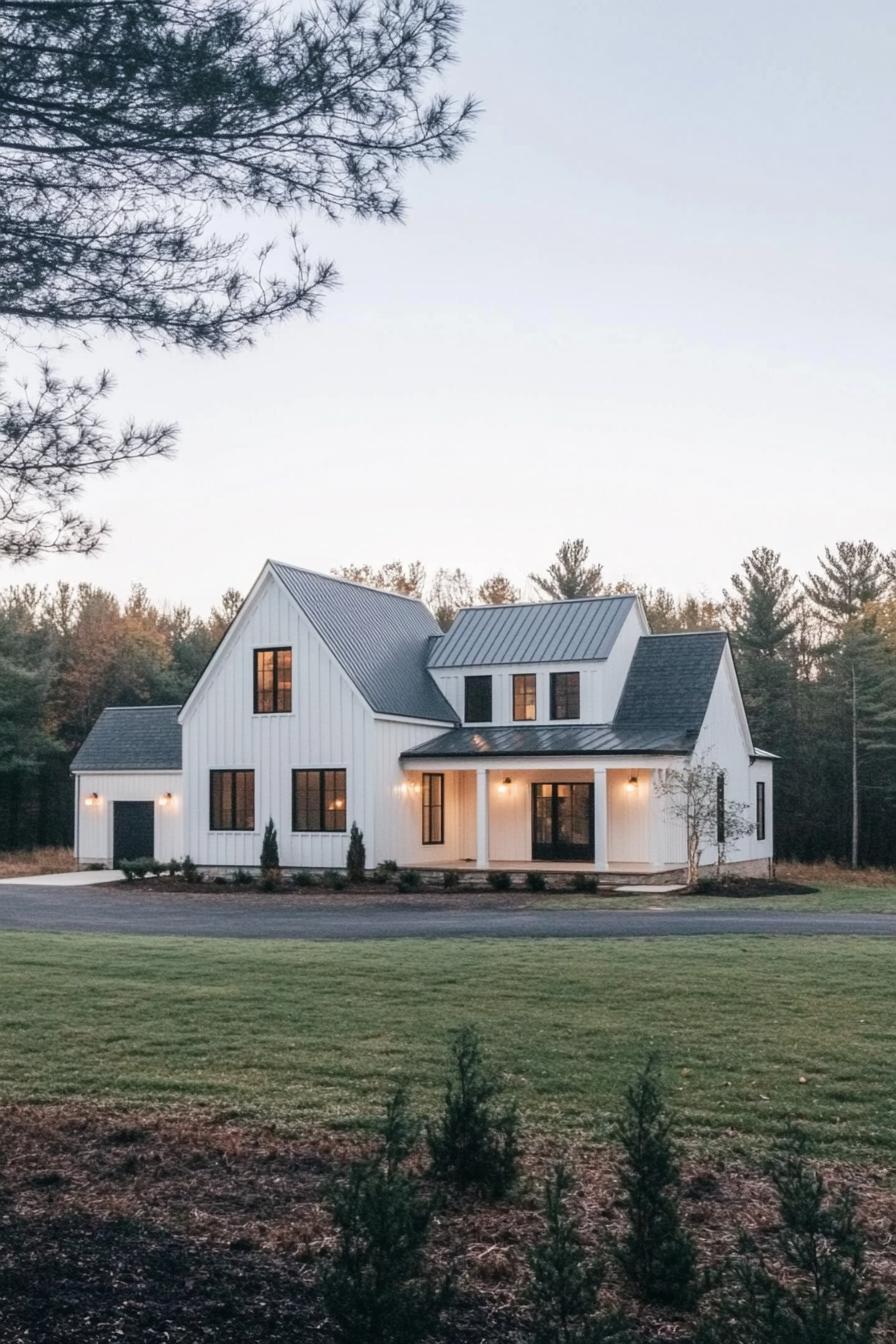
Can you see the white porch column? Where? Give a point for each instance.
(481, 818)
(601, 848)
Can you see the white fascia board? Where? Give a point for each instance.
(445, 724)
(129, 770)
(238, 621)
(584, 762)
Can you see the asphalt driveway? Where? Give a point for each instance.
(32, 908)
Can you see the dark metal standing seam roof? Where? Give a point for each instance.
(132, 737)
(568, 739)
(581, 629)
(379, 638)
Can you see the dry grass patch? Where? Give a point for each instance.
(834, 874)
(34, 862)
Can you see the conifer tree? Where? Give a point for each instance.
(852, 576)
(570, 574)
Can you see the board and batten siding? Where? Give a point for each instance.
(93, 824)
(330, 726)
(398, 793)
(600, 680)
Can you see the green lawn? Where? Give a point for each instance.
(834, 900)
(302, 1032)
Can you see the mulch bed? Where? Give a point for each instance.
(180, 1227)
(738, 887)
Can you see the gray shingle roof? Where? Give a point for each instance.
(568, 739)
(380, 639)
(670, 681)
(537, 632)
(132, 737)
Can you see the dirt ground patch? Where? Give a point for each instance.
(184, 1227)
(35, 862)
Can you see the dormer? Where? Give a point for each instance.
(540, 662)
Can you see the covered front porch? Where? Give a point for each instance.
(521, 815)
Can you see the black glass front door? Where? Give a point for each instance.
(563, 822)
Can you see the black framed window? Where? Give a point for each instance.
(318, 800)
(433, 809)
(564, 695)
(273, 681)
(524, 695)
(477, 699)
(720, 809)
(760, 810)
(232, 800)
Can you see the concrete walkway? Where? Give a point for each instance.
(128, 910)
(79, 879)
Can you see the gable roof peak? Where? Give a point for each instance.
(339, 578)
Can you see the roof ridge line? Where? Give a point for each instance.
(353, 583)
(543, 602)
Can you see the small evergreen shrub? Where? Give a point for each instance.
(385, 871)
(498, 881)
(139, 868)
(333, 880)
(408, 880)
(219, 880)
(451, 879)
(565, 1284)
(271, 879)
(190, 872)
(656, 1252)
(585, 882)
(475, 1142)
(356, 858)
(535, 882)
(174, 867)
(821, 1292)
(242, 878)
(376, 1286)
(270, 849)
(303, 878)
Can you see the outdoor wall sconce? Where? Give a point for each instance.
(632, 784)
(165, 800)
(91, 800)
(505, 784)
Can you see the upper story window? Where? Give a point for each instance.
(760, 810)
(318, 800)
(524, 695)
(564, 695)
(477, 699)
(232, 800)
(273, 681)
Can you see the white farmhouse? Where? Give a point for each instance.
(528, 736)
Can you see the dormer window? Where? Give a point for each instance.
(524, 696)
(565, 695)
(477, 699)
(273, 681)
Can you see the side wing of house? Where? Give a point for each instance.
(129, 787)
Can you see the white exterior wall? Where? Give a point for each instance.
(600, 682)
(93, 823)
(398, 802)
(330, 726)
(725, 739)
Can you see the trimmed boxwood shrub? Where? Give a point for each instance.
(499, 881)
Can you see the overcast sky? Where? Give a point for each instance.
(652, 305)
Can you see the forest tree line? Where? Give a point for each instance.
(816, 657)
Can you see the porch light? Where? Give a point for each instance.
(91, 800)
(632, 784)
(165, 800)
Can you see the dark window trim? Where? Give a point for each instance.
(525, 676)
(428, 808)
(485, 679)
(720, 808)
(274, 649)
(554, 684)
(242, 830)
(760, 809)
(342, 814)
